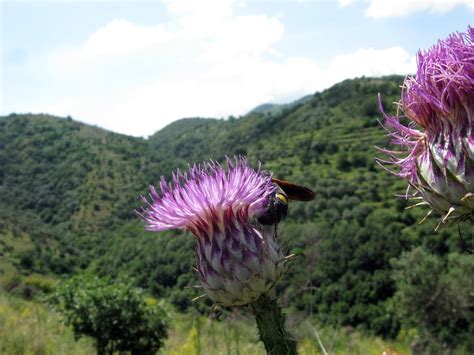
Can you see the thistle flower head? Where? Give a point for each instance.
(436, 151)
(198, 199)
(237, 260)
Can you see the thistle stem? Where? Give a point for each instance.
(271, 326)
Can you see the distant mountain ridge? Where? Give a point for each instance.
(270, 108)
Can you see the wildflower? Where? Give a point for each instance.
(436, 153)
(237, 259)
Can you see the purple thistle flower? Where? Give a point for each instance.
(436, 151)
(237, 259)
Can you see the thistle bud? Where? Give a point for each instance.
(436, 149)
(237, 259)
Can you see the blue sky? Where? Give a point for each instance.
(135, 66)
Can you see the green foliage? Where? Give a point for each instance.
(69, 192)
(435, 295)
(116, 315)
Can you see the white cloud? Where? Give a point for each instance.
(243, 36)
(372, 62)
(119, 38)
(391, 8)
(136, 79)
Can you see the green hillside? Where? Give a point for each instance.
(69, 191)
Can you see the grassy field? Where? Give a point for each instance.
(30, 327)
(238, 335)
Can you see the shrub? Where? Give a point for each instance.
(116, 315)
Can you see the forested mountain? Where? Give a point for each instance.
(69, 191)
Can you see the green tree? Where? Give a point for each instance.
(435, 296)
(116, 315)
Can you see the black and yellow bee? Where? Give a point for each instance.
(278, 203)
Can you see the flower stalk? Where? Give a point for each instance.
(271, 326)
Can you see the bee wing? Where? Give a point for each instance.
(295, 192)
